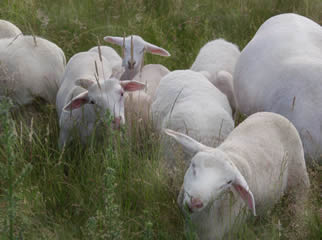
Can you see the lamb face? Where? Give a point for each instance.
(210, 174)
(205, 180)
(105, 96)
(101, 97)
(134, 48)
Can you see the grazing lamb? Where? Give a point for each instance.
(134, 48)
(259, 161)
(8, 30)
(113, 58)
(30, 66)
(87, 92)
(218, 58)
(280, 70)
(187, 102)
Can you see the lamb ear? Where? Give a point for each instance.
(115, 40)
(190, 145)
(77, 101)
(151, 48)
(224, 82)
(241, 186)
(84, 83)
(131, 85)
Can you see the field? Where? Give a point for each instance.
(116, 187)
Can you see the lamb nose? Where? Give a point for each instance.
(117, 122)
(196, 203)
(131, 64)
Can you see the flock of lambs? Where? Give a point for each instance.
(276, 78)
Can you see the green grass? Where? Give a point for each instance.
(116, 187)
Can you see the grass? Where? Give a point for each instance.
(116, 187)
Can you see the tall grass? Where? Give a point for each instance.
(11, 174)
(116, 187)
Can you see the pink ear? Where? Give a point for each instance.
(77, 101)
(247, 196)
(156, 50)
(115, 40)
(130, 86)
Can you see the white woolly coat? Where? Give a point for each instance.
(151, 75)
(187, 102)
(30, 66)
(280, 71)
(215, 56)
(217, 60)
(8, 30)
(114, 60)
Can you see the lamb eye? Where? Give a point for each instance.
(92, 102)
(229, 182)
(122, 93)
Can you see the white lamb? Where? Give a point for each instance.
(115, 61)
(8, 30)
(259, 161)
(134, 48)
(30, 66)
(87, 92)
(187, 102)
(218, 58)
(280, 70)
